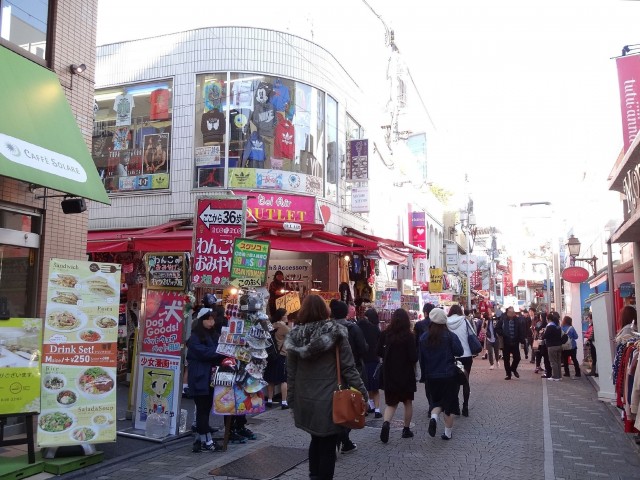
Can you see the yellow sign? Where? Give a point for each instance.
(435, 280)
(20, 350)
(289, 301)
(242, 177)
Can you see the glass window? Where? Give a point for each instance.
(132, 136)
(333, 165)
(17, 279)
(25, 23)
(274, 128)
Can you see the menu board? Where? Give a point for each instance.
(165, 271)
(79, 353)
(20, 345)
(250, 262)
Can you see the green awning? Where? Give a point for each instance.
(40, 141)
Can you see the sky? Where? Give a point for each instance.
(521, 96)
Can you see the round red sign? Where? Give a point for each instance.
(575, 274)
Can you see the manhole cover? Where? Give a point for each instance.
(263, 464)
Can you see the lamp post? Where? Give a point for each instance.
(468, 220)
(548, 289)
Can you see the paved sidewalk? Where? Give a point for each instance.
(503, 438)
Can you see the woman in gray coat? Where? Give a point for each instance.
(312, 379)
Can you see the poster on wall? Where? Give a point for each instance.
(79, 354)
(357, 160)
(20, 348)
(360, 198)
(165, 271)
(163, 325)
(418, 225)
(158, 388)
(218, 222)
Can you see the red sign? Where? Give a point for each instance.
(218, 222)
(629, 84)
(575, 274)
(279, 207)
(418, 232)
(163, 322)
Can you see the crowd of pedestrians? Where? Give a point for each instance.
(371, 360)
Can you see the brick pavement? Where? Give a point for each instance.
(503, 438)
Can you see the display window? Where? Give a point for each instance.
(131, 144)
(26, 24)
(333, 159)
(275, 129)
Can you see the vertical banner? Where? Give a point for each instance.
(629, 84)
(20, 345)
(418, 225)
(435, 280)
(158, 388)
(357, 160)
(79, 354)
(163, 324)
(218, 222)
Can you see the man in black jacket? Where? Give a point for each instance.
(512, 329)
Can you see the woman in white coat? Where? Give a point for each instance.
(458, 324)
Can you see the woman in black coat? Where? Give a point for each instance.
(397, 347)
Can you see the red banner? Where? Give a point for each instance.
(629, 84)
(163, 322)
(218, 222)
(418, 232)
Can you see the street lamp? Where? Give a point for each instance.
(468, 219)
(548, 289)
(573, 244)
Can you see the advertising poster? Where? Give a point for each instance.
(163, 323)
(435, 280)
(158, 388)
(250, 260)
(20, 345)
(418, 225)
(218, 222)
(79, 354)
(357, 160)
(360, 198)
(165, 271)
(207, 156)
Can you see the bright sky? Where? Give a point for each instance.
(523, 94)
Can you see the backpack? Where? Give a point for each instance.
(567, 344)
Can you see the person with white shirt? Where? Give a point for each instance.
(458, 324)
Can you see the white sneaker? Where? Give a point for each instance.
(498, 364)
(491, 367)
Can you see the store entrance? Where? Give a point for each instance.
(17, 273)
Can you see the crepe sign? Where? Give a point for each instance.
(79, 354)
(20, 349)
(290, 301)
(165, 271)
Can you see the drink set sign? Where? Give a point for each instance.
(250, 262)
(218, 222)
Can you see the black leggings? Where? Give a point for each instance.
(566, 354)
(542, 354)
(466, 389)
(322, 457)
(203, 410)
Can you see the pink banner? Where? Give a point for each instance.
(218, 222)
(279, 207)
(163, 322)
(629, 83)
(418, 227)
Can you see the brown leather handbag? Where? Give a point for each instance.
(348, 405)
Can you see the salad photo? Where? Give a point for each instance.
(96, 381)
(83, 434)
(55, 422)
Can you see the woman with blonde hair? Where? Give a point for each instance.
(312, 378)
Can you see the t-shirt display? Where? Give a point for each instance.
(264, 118)
(254, 148)
(159, 100)
(284, 139)
(121, 138)
(280, 96)
(242, 94)
(213, 94)
(239, 123)
(213, 126)
(263, 92)
(123, 105)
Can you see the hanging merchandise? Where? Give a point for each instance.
(237, 383)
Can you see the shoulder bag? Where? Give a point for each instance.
(461, 375)
(566, 345)
(348, 404)
(474, 343)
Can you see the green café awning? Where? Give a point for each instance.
(40, 141)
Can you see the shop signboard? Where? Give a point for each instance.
(629, 86)
(435, 280)
(279, 207)
(20, 349)
(290, 301)
(360, 198)
(158, 389)
(163, 324)
(575, 274)
(166, 271)
(218, 222)
(250, 261)
(418, 225)
(357, 160)
(297, 273)
(79, 354)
